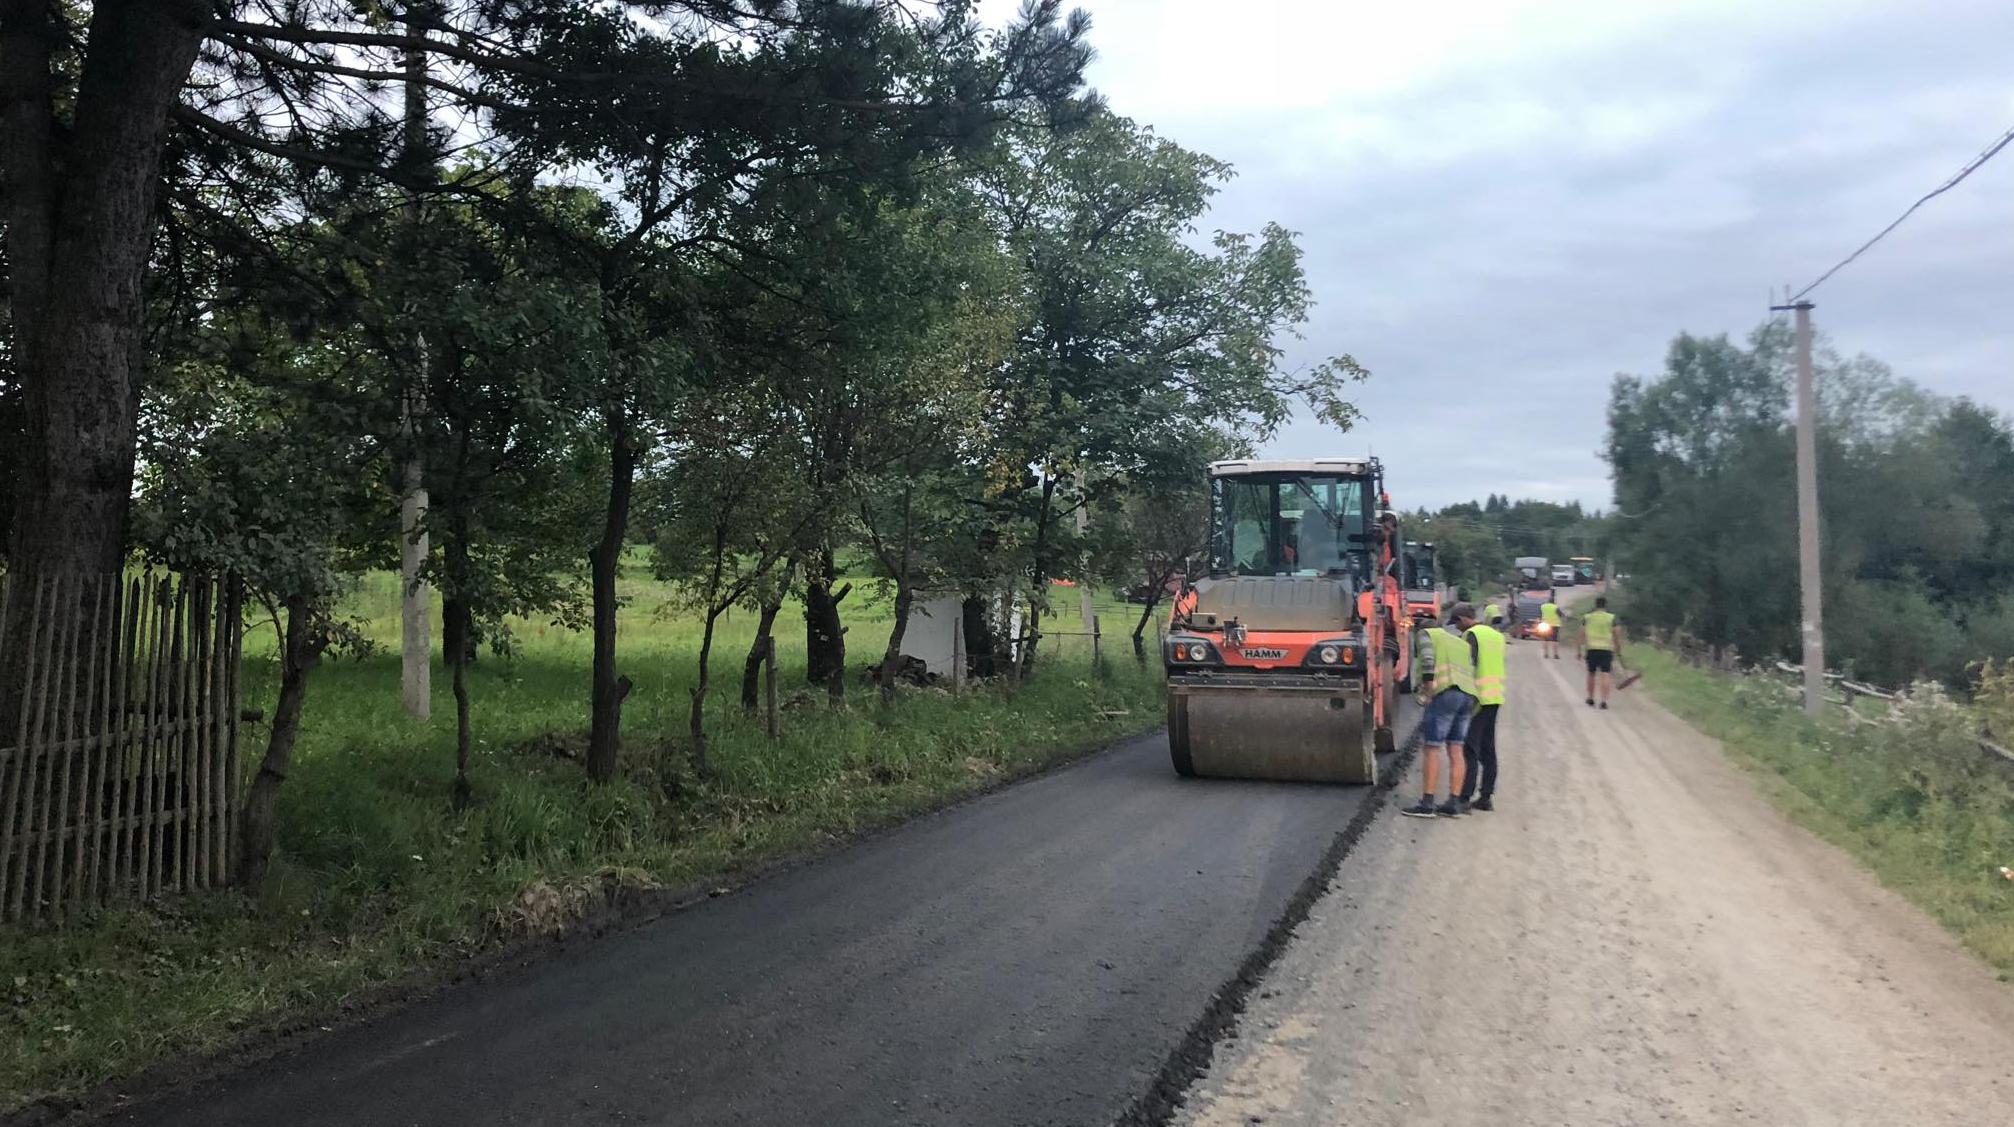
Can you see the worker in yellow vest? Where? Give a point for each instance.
(1447, 670)
(1480, 748)
(1554, 622)
(1601, 644)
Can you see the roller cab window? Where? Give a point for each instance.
(1292, 524)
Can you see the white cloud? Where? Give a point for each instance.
(1504, 202)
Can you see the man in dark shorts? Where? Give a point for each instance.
(1600, 642)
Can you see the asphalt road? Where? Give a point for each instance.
(1028, 958)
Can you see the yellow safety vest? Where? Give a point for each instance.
(1599, 630)
(1489, 664)
(1549, 612)
(1453, 668)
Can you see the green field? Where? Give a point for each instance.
(380, 875)
(1913, 798)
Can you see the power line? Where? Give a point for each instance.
(1969, 169)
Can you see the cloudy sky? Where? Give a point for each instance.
(1505, 202)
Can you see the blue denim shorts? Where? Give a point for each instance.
(1448, 717)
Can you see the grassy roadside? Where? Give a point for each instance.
(381, 880)
(1912, 798)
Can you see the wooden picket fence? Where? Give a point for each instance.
(119, 778)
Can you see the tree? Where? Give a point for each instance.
(679, 111)
(1153, 527)
(1136, 332)
(735, 514)
(253, 469)
(694, 187)
(1913, 508)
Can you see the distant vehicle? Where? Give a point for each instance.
(1563, 575)
(1584, 570)
(1532, 573)
(1530, 619)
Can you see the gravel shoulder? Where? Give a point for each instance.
(1634, 936)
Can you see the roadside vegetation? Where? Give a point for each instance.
(671, 355)
(1917, 507)
(1910, 795)
(382, 879)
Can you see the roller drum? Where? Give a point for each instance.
(1272, 733)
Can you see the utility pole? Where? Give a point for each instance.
(415, 626)
(1808, 571)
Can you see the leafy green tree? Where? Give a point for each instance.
(253, 468)
(1914, 498)
(735, 514)
(1136, 331)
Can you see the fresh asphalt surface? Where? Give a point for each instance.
(1027, 958)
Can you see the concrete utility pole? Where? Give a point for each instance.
(1808, 571)
(415, 625)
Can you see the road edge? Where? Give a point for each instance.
(1197, 1050)
(285, 1037)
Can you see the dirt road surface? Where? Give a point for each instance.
(1634, 936)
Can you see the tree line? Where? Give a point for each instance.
(1476, 543)
(743, 293)
(1916, 497)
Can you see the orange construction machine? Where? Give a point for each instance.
(1426, 599)
(1284, 662)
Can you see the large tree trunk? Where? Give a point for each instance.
(604, 738)
(751, 670)
(824, 633)
(300, 652)
(79, 218)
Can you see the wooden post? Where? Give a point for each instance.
(234, 607)
(1097, 646)
(124, 841)
(14, 768)
(57, 755)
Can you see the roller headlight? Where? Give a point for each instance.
(1189, 651)
(1334, 653)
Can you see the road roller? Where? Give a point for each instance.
(1426, 598)
(1283, 661)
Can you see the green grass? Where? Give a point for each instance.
(379, 876)
(1912, 798)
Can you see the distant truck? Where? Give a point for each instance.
(1534, 573)
(1584, 570)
